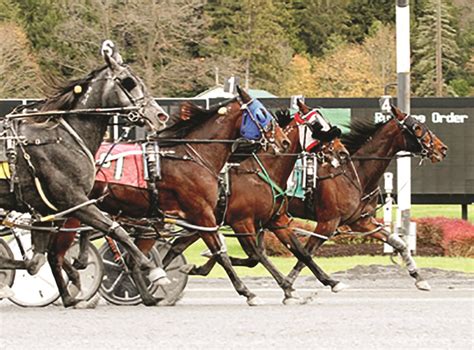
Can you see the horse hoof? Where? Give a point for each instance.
(206, 254)
(340, 286)
(187, 268)
(423, 285)
(150, 302)
(255, 301)
(35, 264)
(294, 301)
(74, 290)
(79, 265)
(82, 305)
(6, 291)
(156, 274)
(164, 281)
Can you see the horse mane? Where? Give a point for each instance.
(181, 125)
(362, 131)
(283, 117)
(63, 97)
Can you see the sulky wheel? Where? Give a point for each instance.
(118, 287)
(41, 290)
(173, 292)
(91, 277)
(31, 291)
(6, 276)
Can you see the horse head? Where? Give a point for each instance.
(321, 129)
(258, 124)
(116, 85)
(419, 138)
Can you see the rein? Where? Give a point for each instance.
(92, 111)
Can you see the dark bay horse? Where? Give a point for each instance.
(258, 200)
(188, 187)
(55, 142)
(350, 198)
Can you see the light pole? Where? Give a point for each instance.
(403, 101)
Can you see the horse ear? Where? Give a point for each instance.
(111, 55)
(303, 108)
(243, 95)
(397, 113)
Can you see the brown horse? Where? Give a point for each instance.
(257, 200)
(350, 198)
(189, 185)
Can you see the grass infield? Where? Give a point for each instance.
(330, 265)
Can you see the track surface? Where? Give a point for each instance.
(381, 310)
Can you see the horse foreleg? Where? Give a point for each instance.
(178, 246)
(202, 270)
(93, 217)
(213, 242)
(313, 243)
(39, 243)
(291, 242)
(399, 246)
(60, 244)
(257, 255)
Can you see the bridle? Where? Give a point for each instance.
(135, 113)
(424, 140)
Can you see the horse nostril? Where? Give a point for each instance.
(163, 117)
(286, 144)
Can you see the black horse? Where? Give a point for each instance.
(54, 169)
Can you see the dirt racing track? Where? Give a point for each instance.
(382, 309)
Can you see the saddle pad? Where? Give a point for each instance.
(294, 185)
(4, 171)
(124, 165)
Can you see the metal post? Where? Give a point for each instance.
(403, 101)
(387, 208)
(464, 214)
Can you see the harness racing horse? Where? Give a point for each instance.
(55, 141)
(188, 187)
(349, 197)
(257, 200)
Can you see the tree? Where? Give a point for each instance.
(20, 73)
(380, 46)
(319, 20)
(362, 14)
(160, 39)
(251, 33)
(299, 78)
(435, 50)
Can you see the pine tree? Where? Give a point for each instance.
(250, 31)
(425, 39)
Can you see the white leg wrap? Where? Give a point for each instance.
(398, 244)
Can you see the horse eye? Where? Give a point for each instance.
(128, 83)
(417, 129)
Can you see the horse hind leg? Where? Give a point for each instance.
(401, 247)
(256, 254)
(304, 254)
(213, 243)
(290, 241)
